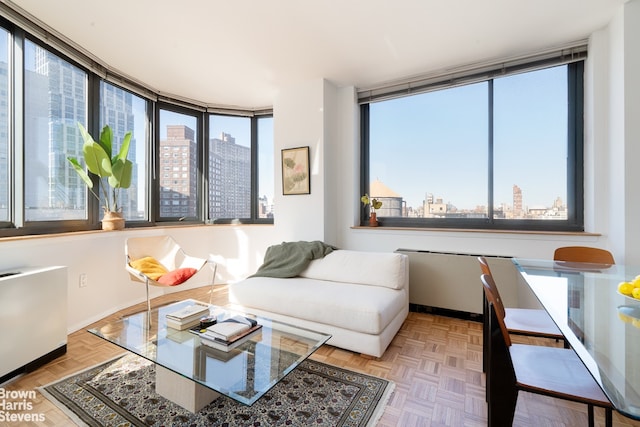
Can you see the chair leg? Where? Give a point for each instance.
(608, 417)
(148, 306)
(214, 268)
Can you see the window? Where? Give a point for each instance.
(125, 112)
(55, 100)
(241, 168)
(54, 92)
(502, 153)
(229, 167)
(266, 164)
(178, 131)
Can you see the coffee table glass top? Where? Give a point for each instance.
(245, 373)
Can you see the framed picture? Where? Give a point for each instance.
(295, 171)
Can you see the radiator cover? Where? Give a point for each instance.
(451, 281)
(33, 318)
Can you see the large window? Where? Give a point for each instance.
(229, 167)
(55, 101)
(240, 168)
(125, 112)
(178, 166)
(196, 167)
(503, 153)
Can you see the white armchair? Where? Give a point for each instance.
(160, 261)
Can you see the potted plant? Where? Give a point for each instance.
(373, 205)
(114, 172)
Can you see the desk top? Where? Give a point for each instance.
(602, 325)
(244, 373)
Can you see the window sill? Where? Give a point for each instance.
(479, 230)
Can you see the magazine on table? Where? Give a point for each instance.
(233, 342)
(189, 313)
(228, 333)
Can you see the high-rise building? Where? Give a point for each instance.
(116, 110)
(52, 188)
(229, 178)
(178, 168)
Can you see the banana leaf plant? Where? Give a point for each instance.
(114, 172)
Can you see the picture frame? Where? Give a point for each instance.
(295, 171)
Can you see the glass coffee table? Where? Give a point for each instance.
(192, 374)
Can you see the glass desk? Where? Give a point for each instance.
(602, 325)
(192, 374)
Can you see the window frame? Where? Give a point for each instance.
(575, 167)
(16, 224)
(20, 226)
(157, 176)
(255, 175)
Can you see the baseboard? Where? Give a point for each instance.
(417, 308)
(35, 364)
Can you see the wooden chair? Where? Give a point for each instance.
(584, 254)
(550, 371)
(520, 321)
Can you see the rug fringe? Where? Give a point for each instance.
(59, 405)
(382, 405)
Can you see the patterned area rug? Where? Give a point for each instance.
(122, 393)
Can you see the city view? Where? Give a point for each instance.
(442, 154)
(436, 175)
(55, 102)
(394, 205)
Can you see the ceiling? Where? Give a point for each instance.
(239, 53)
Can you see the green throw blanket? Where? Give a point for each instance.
(290, 258)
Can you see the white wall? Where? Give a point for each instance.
(100, 255)
(299, 120)
(325, 117)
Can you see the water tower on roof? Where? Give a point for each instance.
(391, 201)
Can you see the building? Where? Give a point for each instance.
(230, 178)
(392, 203)
(178, 166)
(517, 202)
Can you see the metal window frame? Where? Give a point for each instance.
(575, 167)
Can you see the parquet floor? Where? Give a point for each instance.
(435, 362)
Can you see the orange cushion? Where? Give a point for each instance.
(176, 277)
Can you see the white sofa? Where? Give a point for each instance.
(360, 298)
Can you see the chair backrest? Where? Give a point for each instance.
(484, 265)
(583, 254)
(498, 305)
(491, 292)
(162, 248)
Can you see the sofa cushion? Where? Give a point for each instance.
(386, 269)
(366, 309)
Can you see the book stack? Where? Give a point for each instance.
(229, 333)
(187, 317)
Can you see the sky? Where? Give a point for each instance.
(437, 142)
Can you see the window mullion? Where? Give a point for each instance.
(490, 210)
